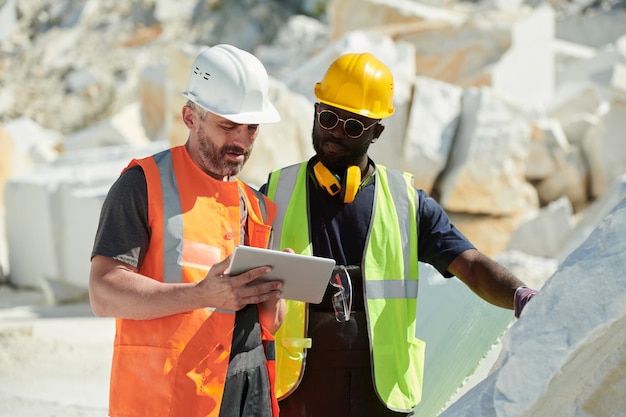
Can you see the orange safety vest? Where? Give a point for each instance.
(176, 365)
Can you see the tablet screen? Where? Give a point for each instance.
(304, 277)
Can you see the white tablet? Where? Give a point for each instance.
(304, 277)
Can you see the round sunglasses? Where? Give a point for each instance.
(353, 128)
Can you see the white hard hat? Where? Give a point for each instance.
(231, 83)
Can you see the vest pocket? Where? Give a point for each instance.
(258, 233)
(142, 381)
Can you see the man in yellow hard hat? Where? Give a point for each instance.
(359, 347)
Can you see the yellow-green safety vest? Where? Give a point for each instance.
(390, 273)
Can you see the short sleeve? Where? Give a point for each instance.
(123, 232)
(440, 242)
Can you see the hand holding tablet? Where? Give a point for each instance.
(304, 278)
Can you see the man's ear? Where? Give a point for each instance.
(378, 129)
(188, 116)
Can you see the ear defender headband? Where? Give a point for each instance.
(330, 182)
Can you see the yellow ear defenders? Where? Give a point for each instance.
(329, 181)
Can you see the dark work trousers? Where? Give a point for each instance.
(247, 391)
(247, 386)
(337, 379)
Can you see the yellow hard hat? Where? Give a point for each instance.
(358, 83)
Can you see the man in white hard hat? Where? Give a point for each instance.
(191, 340)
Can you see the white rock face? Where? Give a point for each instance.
(459, 329)
(565, 356)
(554, 222)
(429, 139)
(486, 170)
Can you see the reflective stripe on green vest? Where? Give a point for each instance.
(390, 271)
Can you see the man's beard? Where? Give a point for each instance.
(338, 163)
(214, 159)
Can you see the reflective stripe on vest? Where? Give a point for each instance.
(180, 361)
(390, 271)
(291, 340)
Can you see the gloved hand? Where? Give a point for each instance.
(522, 296)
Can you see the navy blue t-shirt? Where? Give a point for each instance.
(341, 231)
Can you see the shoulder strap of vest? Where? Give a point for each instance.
(280, 188)
(262, 203)
(409, 178)
(264, 209)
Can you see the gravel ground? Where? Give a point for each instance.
(54, 360)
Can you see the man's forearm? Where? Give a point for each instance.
(485, 277)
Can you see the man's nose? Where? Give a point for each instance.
(338, 131)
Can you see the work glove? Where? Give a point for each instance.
(522, 296)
